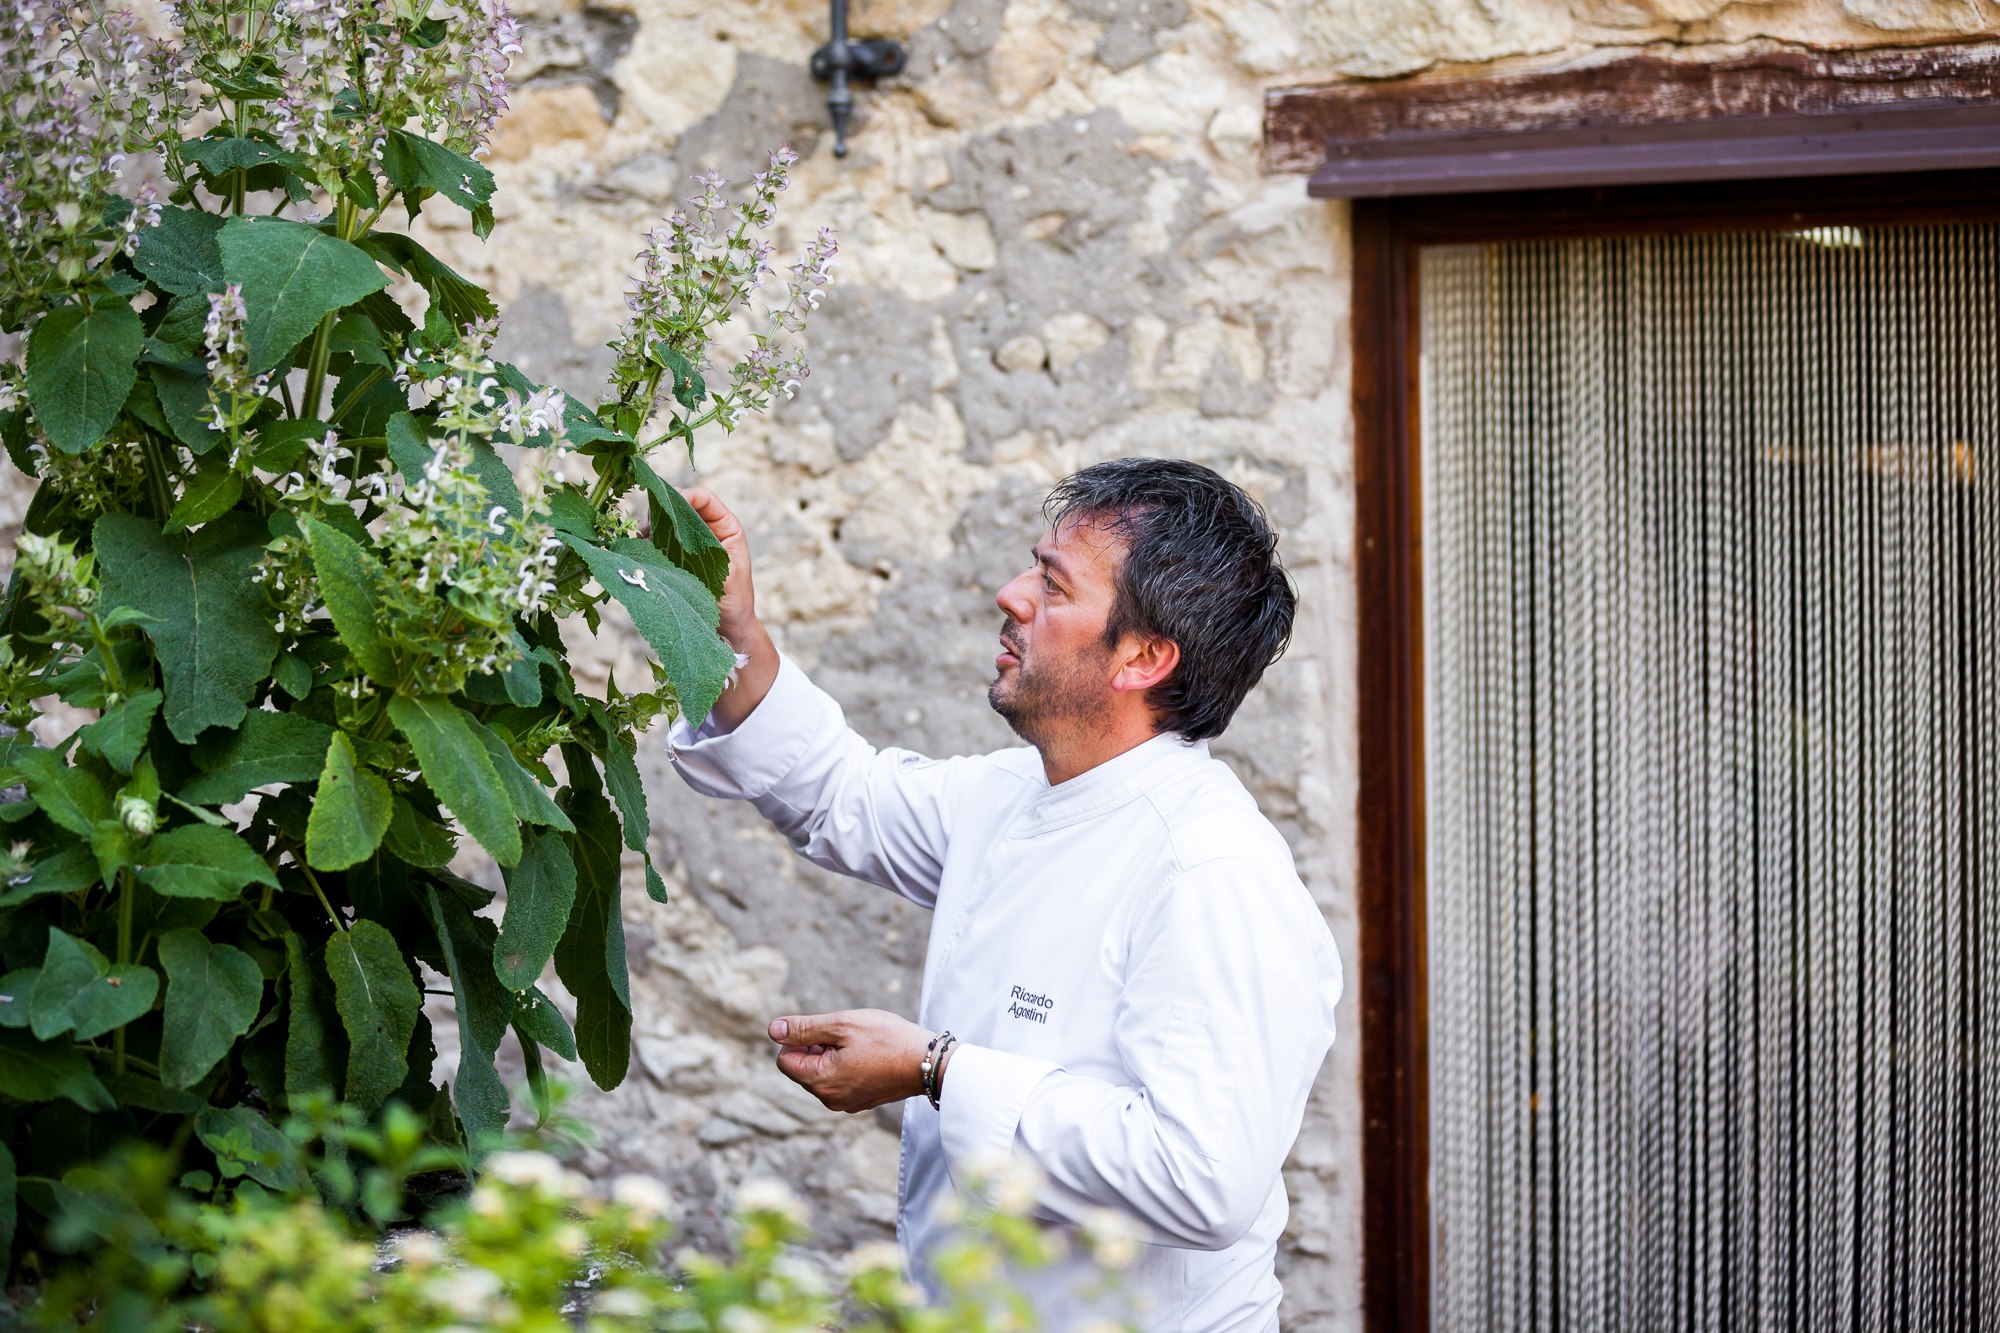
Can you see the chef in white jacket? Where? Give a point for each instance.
(1138, 988)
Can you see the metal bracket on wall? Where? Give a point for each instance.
(842, 59)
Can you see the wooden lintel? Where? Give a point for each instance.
(1302, 125)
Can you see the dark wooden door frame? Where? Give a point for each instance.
(1388, 235)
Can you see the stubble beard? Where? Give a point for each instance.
(1043, 698)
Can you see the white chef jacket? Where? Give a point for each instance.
(1143, 989)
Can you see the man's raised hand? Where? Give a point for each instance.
(739, 625)
(739, 598)
(854, 1060)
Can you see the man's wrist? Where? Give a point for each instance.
(931, 1068)
(754, 677)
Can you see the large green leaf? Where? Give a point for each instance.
(71, 797)
(219, 153)
(477, 1092)
(201, 861)
(350, 813)
(268, 747)
(672, 611)
(540, 892)
(680, 534)
(210, 627)
(291, 275)
(590, 958)
(213, 994)
(455, 764)
(80, 992)
(34, 1071)
(181, 254)
(311, 1023)
(530, 799)
(356, 590)
(378, 1004)
(82, 362)
(415, 164)
(463, 302)
(119, 735)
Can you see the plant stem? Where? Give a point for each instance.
(125, 899)
(156, 476)
(139, 1063)
(320, 893)
(603, 488)
(323, 335)
(113, 675)
(316, 367)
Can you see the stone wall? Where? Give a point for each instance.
(1057, 247)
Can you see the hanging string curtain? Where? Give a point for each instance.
(1712, 711)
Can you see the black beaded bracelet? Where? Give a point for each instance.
(933, 1057)
(934, 1089)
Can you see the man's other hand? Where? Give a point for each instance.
(740, 626)
(854, 1060)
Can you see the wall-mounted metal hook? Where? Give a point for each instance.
(842, 59)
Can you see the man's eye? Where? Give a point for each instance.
(1050, 584)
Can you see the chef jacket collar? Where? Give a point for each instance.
(1109, 785)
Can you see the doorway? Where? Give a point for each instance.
(1680, 556)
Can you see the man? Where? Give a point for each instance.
(1141, 988)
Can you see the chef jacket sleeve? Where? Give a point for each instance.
(1226, 1015)
(879, 815)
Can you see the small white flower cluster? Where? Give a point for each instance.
(234, 395)
(1113, 1237)
(471, 403)
(536, 1171)
(695, 269)
(642, 1196)
(765, 1195)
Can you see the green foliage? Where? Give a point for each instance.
(307, 555)
(82, 361)
(531, 1248)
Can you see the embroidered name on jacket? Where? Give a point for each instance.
(1033, 1008)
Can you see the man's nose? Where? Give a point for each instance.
(1013, 599)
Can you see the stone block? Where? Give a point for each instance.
(562, 118)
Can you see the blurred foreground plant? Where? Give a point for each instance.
(531, 1247)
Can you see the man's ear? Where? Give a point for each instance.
(1144, 663)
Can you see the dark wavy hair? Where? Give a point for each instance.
(1200, 568)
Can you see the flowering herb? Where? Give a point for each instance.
(305, 553)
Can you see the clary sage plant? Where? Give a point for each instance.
(301, 549)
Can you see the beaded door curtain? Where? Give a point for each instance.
(1711, 594)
